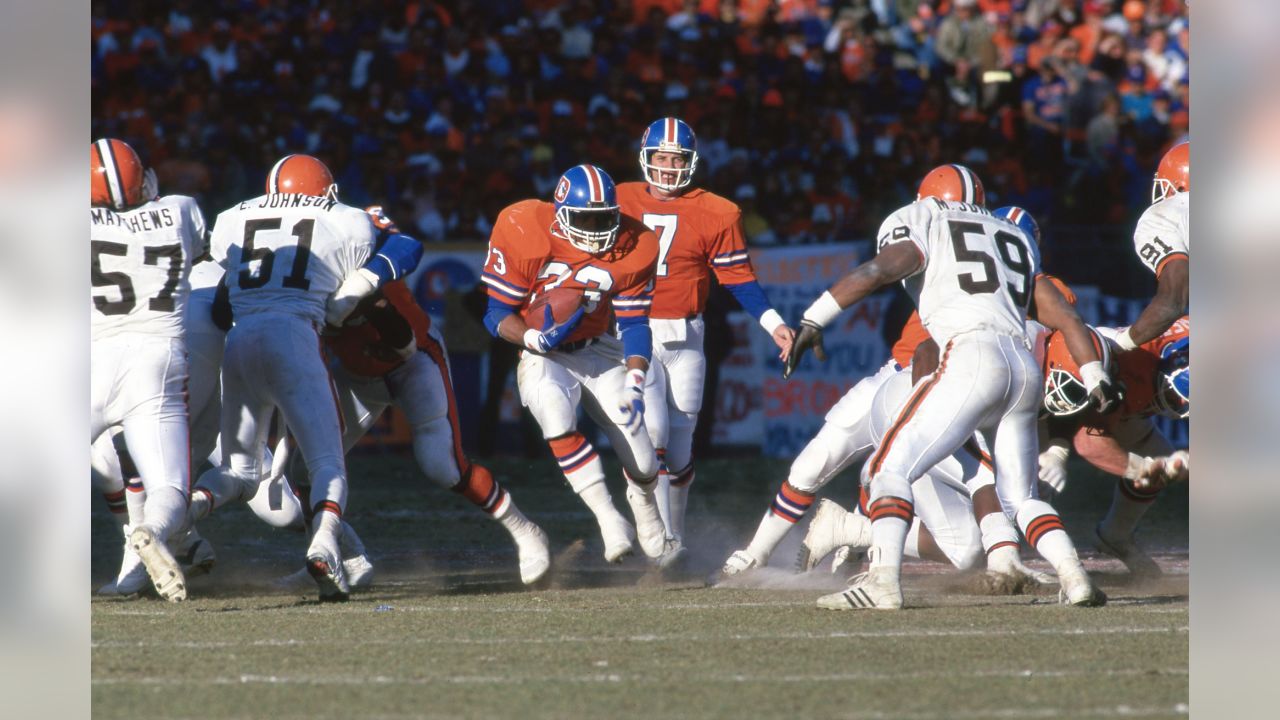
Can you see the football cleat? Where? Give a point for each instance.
(650, 530)
(355, 559)
(871, 590)
(1000, 562)
(534, 548)
(193, 552)
(161, 566)
(619, 537)
(1139, 564)
(132, 577)
(831, 527)
(673, 552)
(1078, 589)
(329, 574)
(739, 562)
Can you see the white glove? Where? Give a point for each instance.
(632, 401)
(1161, 471)
(358, 285)
(1053, 465)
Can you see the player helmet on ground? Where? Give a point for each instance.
(671, 135)
(953, 182)
(116, 175)
(1173, 174)
(1064, 389)
(302, 175)
(1022, 219)
(587, 213)
(1173, 379)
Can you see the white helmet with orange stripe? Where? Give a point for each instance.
(117, 178)
(587, 213)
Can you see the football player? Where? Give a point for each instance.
(141, 250)
(846, 436)
(388, 353)
(1163, 243)
(698, 232)
(973, 278)
(1127, 444)
(583, 242)
(291, 256)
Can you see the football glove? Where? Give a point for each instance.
(809, 337)
(632, 404)
(546, 340)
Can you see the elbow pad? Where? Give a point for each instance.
(637, 338)
(496, 312)
(397, 257)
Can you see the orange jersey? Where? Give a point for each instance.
(526, 257)
(698, 231)
(359, 347)
(913, 333)
(1137, 369)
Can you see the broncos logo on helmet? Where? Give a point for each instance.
(587, 213)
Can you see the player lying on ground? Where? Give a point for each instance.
(554, 272)
(698, 232)
(973, 278)
(141, 252)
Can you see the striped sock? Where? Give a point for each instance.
(1128, 505)
(578, 460)
(117, 505)
(891, 510)
(791, 504)
(1044, 531)
(479, 487)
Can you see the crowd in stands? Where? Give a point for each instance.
(817, 117)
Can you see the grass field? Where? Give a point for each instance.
(447, 631)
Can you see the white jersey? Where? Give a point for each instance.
(1163, 232)
(288, 253)
(140, 262)
(978, 271)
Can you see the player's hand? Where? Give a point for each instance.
(783, 337)
(632, 403)
(1107, 395)
(1053, 466)
(552, 334)
(380, 219)
(810, 337)
(1161, 471)
(924, 360)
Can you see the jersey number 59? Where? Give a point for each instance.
(1012, 253)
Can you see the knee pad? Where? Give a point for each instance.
(822, 458)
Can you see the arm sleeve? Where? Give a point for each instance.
(497, 311)
(637, 338)
(398, 256)
(908, 224)
(508, 275)
(751, 297)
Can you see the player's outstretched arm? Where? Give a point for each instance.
(894, 263)
(1170, 303)
(1053, 310)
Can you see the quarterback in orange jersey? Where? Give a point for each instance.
(387, 354)
(698, 232)
(583, 244)
(1157, 375)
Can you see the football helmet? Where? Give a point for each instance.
(1064, 390)
(1022, 219)
(587, 213)
(1174, 173)
(1173, 379)
(302, 175)
(668, 135)
(953, 182)
(116, 175)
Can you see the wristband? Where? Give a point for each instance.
(1134, 469)
(635, 379)
(823, 310)
(1092, 374)
(1125, 340)
(771, 320)
(535, 341)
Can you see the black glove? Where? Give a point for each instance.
(1107, 396)
(810, 336)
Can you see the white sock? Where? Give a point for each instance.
(997, 531)
(165, 511)
(1044, 531)
(891, 508)
(911, 547)
(679, 499)
(771, 531)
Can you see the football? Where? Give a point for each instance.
(564, 302)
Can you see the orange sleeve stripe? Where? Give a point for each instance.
(1167, 258)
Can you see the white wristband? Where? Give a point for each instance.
(771, 320)
(635, 378)
(1092, 374)
(823, 310)
(1125, 340)
(534, 340)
